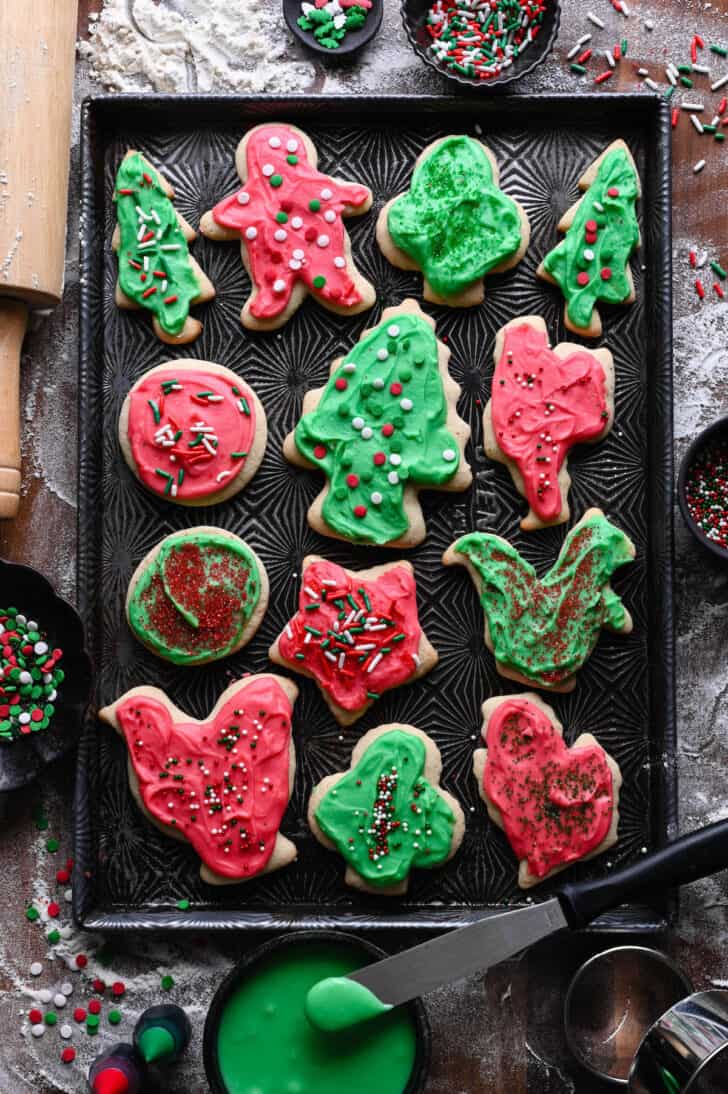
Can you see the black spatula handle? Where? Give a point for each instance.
(693, 856)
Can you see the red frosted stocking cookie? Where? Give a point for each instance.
(543, 402)
(557, 805)
(222, 784)
(288, 217)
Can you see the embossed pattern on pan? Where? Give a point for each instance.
(128, 874)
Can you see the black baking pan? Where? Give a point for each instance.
(129, 875)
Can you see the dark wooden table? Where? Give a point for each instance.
(499, 1033)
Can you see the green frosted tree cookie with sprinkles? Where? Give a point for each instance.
(454, 223)
(591, 263)
(156, 270)
(384, 427)
(388, 814)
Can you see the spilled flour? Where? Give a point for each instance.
(178, 46)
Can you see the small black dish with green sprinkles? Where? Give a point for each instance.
(45, 674)
(334, 28)
(702, 488)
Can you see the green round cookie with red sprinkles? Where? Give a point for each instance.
(29, 676)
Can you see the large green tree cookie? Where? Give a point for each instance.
(454, 224)
(591, 263)
(383, 427)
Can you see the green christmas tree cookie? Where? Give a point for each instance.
(387, 814)
(591, 263)
(384, 427)
(454, 223)
(156, 270)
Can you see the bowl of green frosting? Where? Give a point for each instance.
(258, 1038)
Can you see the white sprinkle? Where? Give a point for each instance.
(279, 285)
(66, 1032)
(329, 216)
(36, 968)
(643, 72)
(294, 264)
(702, 69)
(299, 254)
(406, 404)
(289, 632)
(67, 988)
(222, 475)
(416, 659)
(393, 478)
(382, 355)
(692, 106)
(59, 1000)
(339, 262)
(697, 123)
(309, 591)
(649, 25)
(594, 21)
(307, 639)
(449, 454)
(719, 83)
(395, 459)
(701, 259)
(700, 164)
(715, 120)
(584, 38)
(367, 433)
(652, 84)
(280, 235)
(25, 678)
(297, 222)
(357, 423)
(170, 247)
(378, 383)
(327, 194)
(268, 169)
(598, 206)
(374, 662)
(609, 58)
(588, 254)
(671, 78)
(376, 499)
(251, 233)
(38, 1030)
(624, 9)
(573, 52)
(274, 142)
(350, 366)
(45, 996)
(323, 240)
(330, 656)
(243, 197)
(291, 145)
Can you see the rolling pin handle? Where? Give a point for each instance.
(13, 325)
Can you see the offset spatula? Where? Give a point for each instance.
(473, 949)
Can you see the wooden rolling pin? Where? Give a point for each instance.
(37, 45)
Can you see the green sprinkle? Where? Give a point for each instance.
(685, 69)
(710, 129)
(293, 160)
(276, 181)
(579, 69)
(623, 47)
(668, 94)
(155, 410)
(50, 1018)
(720, 50)
(53, 936)
(717, 269)
(237, 391)
(181, 476)
(31, 914)
(243, 404)
(312, 607)
(365, 598)
(92, 1023)
(300, 657)
(167, 385)
(238, 455)
(52, 845)
(372, 695)
(314, 205)
(41, 823)
(319, 281)
(114, 1017)
(166, 983)
(313, 631)
(686, 82)
(183, 905)
(719, 137)
(353, 602)
(398, 637)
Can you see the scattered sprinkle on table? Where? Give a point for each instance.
(166, 983)
(706, 492)
(79, 1015)
(36, 968)
(66, 1032)
(114, 1017)
(53, 937)
(52, 846)
(50, 1018)
(331, 22)
(67, 988)
(118, 988)
(29, 676)
(35, 1016)
(38, 1030)
(59, 999)
(68, 1055)
(699, 165)
(183, 905)
(81, 961)
(475, 39)
(92, 1023)
(98, 986)
(94, 1007)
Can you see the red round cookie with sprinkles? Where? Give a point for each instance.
(192, 432)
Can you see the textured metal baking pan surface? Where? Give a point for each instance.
(128, 874)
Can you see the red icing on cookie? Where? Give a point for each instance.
(556, 802)
(222, 783)
(361, 638)
(190, 431)
(308, 245)
(542, 404)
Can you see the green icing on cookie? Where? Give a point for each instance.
(155, 268)
(591, 261)
(381, 423)
(383, 815)
(455, 222)
(545, 629)
(192, 603)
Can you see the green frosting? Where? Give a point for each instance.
(600, 256)
(545, 629)
(265, 1045)
(454, 221)
(383, 815)
(380, 423)
(338, 1002)
(148, 207)
(192, 602)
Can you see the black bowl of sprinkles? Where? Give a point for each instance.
(334, 28)
(482, 43)
(45, 674)
(702, 488)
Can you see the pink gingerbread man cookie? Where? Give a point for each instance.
(289, 219)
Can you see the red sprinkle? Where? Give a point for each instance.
(693, 259)
(319, 451)
(81, 961)
(395, 388)
(582, 278)
(99, 986)
(79, 1015)
(699, 289)
(118, 987)
(722, 105)
(699, 42)
(719, 289)
(379, 458)
(68, 1055)
(150, 291)
(171, 299)
(352, 481)
(675, 117)
(605, 273)
(604, 76)
(360, 511)
(693, 51)
(613, 191)
(591, 226)
(54, 910)
(63, 877)
(584, 57)
(340, 384)
(387, 429)
(94, 1007)
(35, 1016)
(126, 191)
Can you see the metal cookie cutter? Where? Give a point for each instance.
(613, 1000)
(686, 1050)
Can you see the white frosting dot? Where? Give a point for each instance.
(297, 222)
(378, 383)
(393, 330)
(299, 254)
(367, 433)
(327, 194)
(382, 354)
(449, 454)
(588, 254)
(291, 145)
(274, 142)
(349, 367)
(358, 423)
(323, 240)
(294, 264)
(329, 216)
(251, 233)
(280, 235)
(243, 197)
(406, 404)
(339, 262)
(395, 459)
(268, 169)
(279, 285)
(376, 498)
(393, 478)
